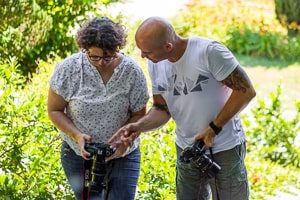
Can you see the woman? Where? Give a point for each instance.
(92, 94)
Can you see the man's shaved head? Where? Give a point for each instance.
(156, 30)
(157, 40)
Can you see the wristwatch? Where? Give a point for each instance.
(216, 129)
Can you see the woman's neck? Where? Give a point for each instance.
(107, 71)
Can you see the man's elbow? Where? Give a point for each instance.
(251, 94)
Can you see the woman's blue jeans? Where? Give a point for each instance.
(122, 174)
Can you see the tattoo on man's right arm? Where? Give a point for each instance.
(237, 80)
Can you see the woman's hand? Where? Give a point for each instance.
(81, 139)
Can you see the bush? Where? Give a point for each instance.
(37, 29)
(266, 178)
(22, 30)
(262, 42)
(29, 149)
(157, 179)
(235, 24)
(248, 42)
(272, 134)
(264, 127)
(287, 12)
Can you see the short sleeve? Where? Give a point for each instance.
(138, 96)
(221, 62)
(63, 80)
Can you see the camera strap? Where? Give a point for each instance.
(212, 157)
(211, 153)
(86, 175)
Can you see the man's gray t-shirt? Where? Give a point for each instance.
(95, 108)
(194, 94)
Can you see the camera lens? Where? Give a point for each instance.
(197, 155)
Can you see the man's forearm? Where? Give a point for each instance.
(242, 93)
(137, 115)
(152, 120)
(235, 104)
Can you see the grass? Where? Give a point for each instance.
(267, 178)
(267, 74)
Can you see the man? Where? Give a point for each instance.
(200, 84)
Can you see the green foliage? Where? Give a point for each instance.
(29, 147)
(237, 26)
(262, 42)
(266, 178)
(200, 18)
(272, 134)
(157, 179)
(288, 14)
(29, 144)
(36, 29)
(25, 25)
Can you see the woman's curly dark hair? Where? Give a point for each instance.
(103, 33)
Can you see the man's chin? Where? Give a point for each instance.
(156, 61)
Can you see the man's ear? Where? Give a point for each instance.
(169, 46)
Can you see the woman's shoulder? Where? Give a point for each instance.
(72, 59)
(71, 63)
(130, 63)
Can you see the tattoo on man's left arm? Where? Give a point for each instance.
(237, 80)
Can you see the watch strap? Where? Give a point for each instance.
(216, 129)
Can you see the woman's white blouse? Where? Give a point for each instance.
(98, 109)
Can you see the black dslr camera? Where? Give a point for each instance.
(96, 170)
(197, 155)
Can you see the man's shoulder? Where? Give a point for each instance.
(202, 40)
(200, 44)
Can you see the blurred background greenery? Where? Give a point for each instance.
(35, 35)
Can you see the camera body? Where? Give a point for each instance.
(196, 154)
(95, 177)
(99, 149)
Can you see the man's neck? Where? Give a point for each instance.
(179, 49)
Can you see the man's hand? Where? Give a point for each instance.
(125, 135)
(207, 136)
(81, 139)
(123, 140)
(120, 152)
